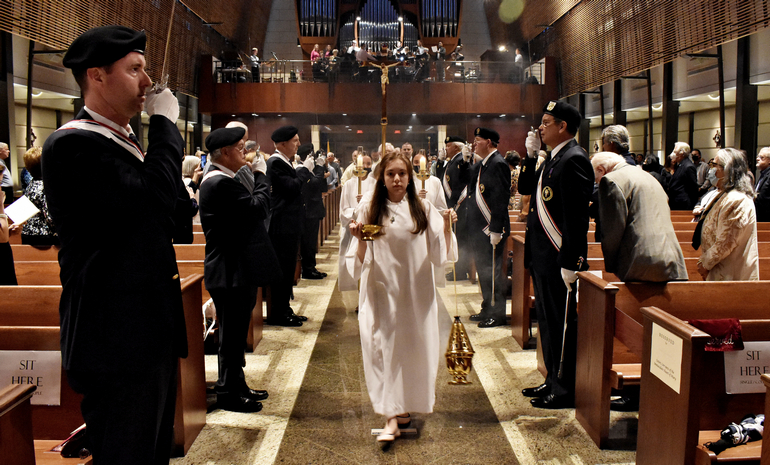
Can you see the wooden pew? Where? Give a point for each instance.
(522, 294)
(30, 319)
(678, 423)
(45, 272)
(691, 263)
(609, 346)
(16, 443)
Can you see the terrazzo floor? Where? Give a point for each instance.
(319, 412)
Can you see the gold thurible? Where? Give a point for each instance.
(459, 351)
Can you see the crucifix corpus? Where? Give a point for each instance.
(384, 81)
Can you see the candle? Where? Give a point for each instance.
(360, 162)
(422, 165)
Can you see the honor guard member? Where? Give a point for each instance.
(556, 244)
(312, 193)
(122, 322)
(489, 189)
(239, 257)
(287, 216)
(455, 181)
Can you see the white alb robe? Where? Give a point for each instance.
(399, 309)
(348, 208)
(435, 193)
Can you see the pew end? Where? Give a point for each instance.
(16, 443)
(674, 421)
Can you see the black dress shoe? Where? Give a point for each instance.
(299, 317)
(490, 322)
(539, 391)
(288, 321)
(477, 317)
(552, 401)
(236, 403)
(625, 404)
(255, 394)
(312, 274)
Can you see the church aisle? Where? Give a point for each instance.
(319, 410)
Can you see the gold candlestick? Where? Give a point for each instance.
(422, 176)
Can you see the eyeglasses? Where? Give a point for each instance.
(545, 124)
(714, 164)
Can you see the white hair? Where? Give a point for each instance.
(606, 160)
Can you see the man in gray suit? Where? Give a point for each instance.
(638, 239)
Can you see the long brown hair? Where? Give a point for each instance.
(380, 196)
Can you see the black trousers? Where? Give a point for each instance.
(482, 255)
(234, 308)
(550, 304)
(129, 416)
(309, 245)
(286, 247)
(462, 267)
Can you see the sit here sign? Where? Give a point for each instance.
(744, 368)
(41, 368)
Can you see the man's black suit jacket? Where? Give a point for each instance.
(121, 304)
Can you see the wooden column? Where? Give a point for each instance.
(746, 106)
(670, 126)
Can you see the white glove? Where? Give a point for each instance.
(259, 164)
(495, 238)
(532, 144)
(442, 154)
(309, 163)
(164, 103)
(568, 276)
(466, 153)
(320, 161)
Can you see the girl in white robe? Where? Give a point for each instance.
(398, 302)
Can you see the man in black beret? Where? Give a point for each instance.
(118, 267)
(239, 257)
(312, 194)
(489, 190)
(455, 179)
(556, 245)
(287, 216)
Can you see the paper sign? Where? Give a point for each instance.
(666, 357)
(41, 368)
(21, 210)
(744, 368)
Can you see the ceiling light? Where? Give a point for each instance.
(400, 19)
(344, 114)
(715, 97)
(502, 116)
(414, 114)
(233, 116)
(478, 116)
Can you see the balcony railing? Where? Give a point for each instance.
(408, 70)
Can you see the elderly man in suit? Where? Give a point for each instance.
(556, 244)
(487, 225)
(312, 193)
(239, 257)
(455, 180)
(122, 321)
(683, 187)
(287, 216)
(638, 238)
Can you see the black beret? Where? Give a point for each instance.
(304, 149)
(565, 112)
(102, 46)
(486, 133)
(284, 133)
(224, 137)
(454, 139)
